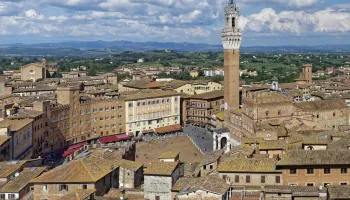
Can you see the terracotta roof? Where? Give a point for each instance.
(325, 157)
(78, 194)
(25, 113)
(296, 191)
(8, 168)
(149, 94)
(209, 95)
(25, 176)
(91, 168)
(212, 184)
(15, 124)
(220, 116)
(272, 145)
(322, 105)
(3, 139)
(169, 155)
(338, 192)
(249, 165)
(161, 168)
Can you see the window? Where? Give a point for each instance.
(267, 113)
(204, 167)
(84, 187)
(247, 179)
(278, 179)
(44, 187)
(344, 183)
(211, 166)
(11, 196)
(344, 170)
(236, 179)
(310, 184)
(309, 171)
(326, 184)
(327, 171)
(293, 171)
(262, 179)
(63, 187)
(279, 112)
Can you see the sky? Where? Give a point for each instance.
(264, 22)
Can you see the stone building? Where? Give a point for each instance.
(306, 75)
(315, 168)
(231, 40)
(91, 118)
(21, 134)
(251, 172)
(19, 186)
(159, 178)
(100, 171)
(148, 110)
(207, 187)
(34, 71)
(199, 109)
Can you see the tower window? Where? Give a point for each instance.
(233, 22)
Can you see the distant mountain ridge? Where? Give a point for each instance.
(145, 46)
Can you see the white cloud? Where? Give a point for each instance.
(298, 22)
(33, 14)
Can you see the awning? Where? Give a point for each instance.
(77, 146)
(123, 137)
(168, 129)
(148, 131)
(68, 152)
(109, 139)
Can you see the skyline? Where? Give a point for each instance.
(264, 23)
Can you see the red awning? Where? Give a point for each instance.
(108, 139)
(69, 152)
(123, 137)
(76, 146)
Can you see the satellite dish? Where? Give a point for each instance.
(226, 106)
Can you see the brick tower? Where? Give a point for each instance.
(231, 40)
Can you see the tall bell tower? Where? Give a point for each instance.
(231, 40)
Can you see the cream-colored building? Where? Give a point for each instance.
(21, 135)
(148, 110)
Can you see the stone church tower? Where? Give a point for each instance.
(231, 40)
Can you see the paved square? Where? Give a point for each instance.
(150, 151)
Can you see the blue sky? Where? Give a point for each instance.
(265, 22)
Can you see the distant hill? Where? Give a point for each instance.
(99, 48)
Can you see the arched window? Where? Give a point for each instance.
(233, 22)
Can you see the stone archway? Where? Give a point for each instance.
(223, 143)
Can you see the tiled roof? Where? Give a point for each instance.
(272, 145)
(296, 191)
(15, 125)
(325, 157)
(322, 105)
(21, 181)
(211, 183)
(153, 94)
(161, 168)
(3, 139)
(91, 168)
(249, 165)
(8, 168)
(209, 95)
(78, 194)
(339, 192)
(169, 155)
